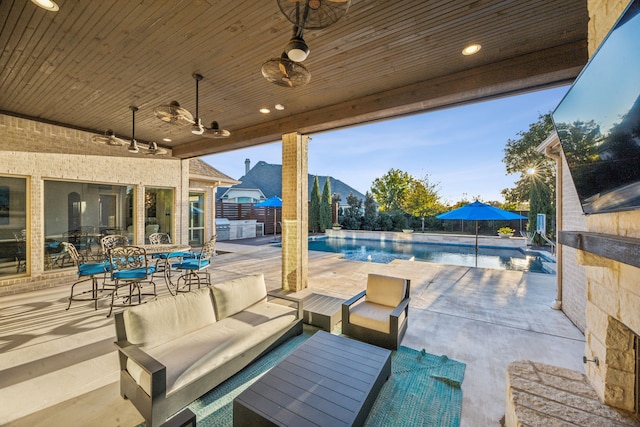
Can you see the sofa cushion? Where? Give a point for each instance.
(385, 290)
(189, 357)
(235, 295)
(373, 316)
(157, 322)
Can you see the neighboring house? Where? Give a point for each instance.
(264, 180)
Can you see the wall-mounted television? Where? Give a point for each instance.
(598, 121)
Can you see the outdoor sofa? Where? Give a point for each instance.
(173, 350)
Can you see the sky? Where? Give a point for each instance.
(460, 149)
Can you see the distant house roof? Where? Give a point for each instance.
(268, 178)
(200, 170)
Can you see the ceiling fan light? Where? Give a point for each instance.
(47, 5)
(197, 128)
(297, 50)
(133, 146)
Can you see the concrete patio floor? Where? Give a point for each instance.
(59, 367)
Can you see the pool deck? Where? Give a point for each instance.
(59, 367)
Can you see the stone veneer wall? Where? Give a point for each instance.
(20, 156)
(613, 288)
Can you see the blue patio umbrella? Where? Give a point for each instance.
(271, 202)
(478, 211)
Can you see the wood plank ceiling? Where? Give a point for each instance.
(84, 65)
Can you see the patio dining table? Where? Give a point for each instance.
(169, 250)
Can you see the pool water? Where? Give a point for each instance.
(464, 255)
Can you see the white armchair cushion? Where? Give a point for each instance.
(234, 296)
(385, 290)
(373, 316)
(163, 320)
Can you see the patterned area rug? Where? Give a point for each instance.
(423, 390)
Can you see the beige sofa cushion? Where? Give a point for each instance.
(157, 322)
(385, 290)
(233, 296)
(373, 316)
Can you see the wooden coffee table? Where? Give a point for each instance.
(328, 381)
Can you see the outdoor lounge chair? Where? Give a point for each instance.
(378, 315)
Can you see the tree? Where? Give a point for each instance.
(537, 172)
(369, 220)
(314, 207)
(325, 206)
(421, 198)
(352, 217)
(389, 190)
(520, 156)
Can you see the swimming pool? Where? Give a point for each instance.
(464, 255)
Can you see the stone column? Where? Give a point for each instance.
(295, 217)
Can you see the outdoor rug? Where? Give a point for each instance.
(423, 390)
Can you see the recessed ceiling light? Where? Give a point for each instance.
(471, 49)
(279, 107)
(47, 4)
(265, 110)
(166, 139)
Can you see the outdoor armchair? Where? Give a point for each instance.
(378, 315)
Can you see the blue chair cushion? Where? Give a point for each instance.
(191, 264)
(136, 273)
(169, 255)
(92, 268)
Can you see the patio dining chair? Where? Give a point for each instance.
(111, 241)
(379, 315)
(129, 268)
(86, 272)
(194, 270)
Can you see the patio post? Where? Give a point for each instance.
(295, 218)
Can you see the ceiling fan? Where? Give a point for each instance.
(198, 128)
(285, 72)
(174, 114)
(109, 138)
(313, 14)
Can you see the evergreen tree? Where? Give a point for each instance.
(369, 221)
(352, 217)
(314, 207)
(325, 206)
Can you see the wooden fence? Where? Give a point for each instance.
(270, 217)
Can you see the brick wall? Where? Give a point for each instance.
(574, 279)
(34, 150)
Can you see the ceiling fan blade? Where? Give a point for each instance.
(285, 72)
(109, 138)
(173, 113)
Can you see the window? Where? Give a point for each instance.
(158, 208)
(196, 218)
(13, 226)
(81, 213)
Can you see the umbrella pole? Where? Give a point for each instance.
(476, 243)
